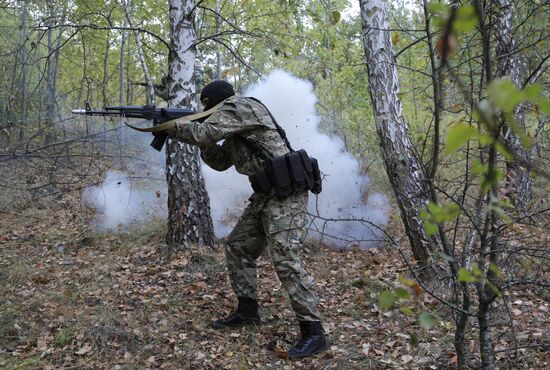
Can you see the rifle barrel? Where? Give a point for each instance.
(89, 112)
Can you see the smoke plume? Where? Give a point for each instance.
(136, 194)
(342, 215)
(292, 102)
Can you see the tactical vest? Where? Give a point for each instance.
(287, 174)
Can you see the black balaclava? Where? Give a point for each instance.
(216, 91)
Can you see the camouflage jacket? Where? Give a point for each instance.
(238, 119)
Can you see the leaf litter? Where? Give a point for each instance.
(71, 298)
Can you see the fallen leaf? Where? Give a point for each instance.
(84, 349)
(454, 359)
(417, 289)
(281, 354)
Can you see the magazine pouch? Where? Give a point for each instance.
(297, 172)
(280, 177)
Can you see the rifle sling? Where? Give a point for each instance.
(185, 119)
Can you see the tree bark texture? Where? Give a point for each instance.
(189, 218)
(404, 170)
(518, 178)
(23, 81)
(485, 337)
(218, 47)
(50, 87)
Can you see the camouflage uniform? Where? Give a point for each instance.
(267, 221)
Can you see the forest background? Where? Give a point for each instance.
(444, 104)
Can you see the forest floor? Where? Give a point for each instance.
(74, 299)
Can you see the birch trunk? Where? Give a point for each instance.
(518, 178)
(218, 47)
(50, 86)
(23, 82)
(404, 170)
(122, 91)
(189, 217)
(104, 88)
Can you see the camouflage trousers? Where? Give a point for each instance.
(280, 227)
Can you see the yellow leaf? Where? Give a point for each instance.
(394, 38)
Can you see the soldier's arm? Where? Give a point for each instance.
(224, 123)
(216, 156)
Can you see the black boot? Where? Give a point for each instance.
(313, 340)
(246, 314)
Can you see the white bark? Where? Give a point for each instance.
(122, 89)
(189, 217)
(50, 85)
(518, 178)
(402, 166)
(218, 47)
(23, 82)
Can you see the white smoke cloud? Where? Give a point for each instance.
(122, 200)
(292, 102)
(119, 202)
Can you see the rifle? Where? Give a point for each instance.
(147, 112)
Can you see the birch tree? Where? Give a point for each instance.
(518, 178)
(405, 172)
(51, 75)
(189, 217)
(23, 80)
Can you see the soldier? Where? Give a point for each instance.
(251, 136)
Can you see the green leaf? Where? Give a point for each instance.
(386, 300)
(402, 293)
(476, 271)
(430, 228)
(459, 135)
(544, 106)
(504, 94)
(407, 311)
(433, 207)
(335, 17)
(493, 288)
(466, 19)
(425, 215)
(406, 282)
(493, 176)
(446, 212)
(494, 269)
(503, 150)
(437, 8)
(485, 139)
(532, 93)
(478, 168)
(394, 41)
(426, 320)
(465, 276)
